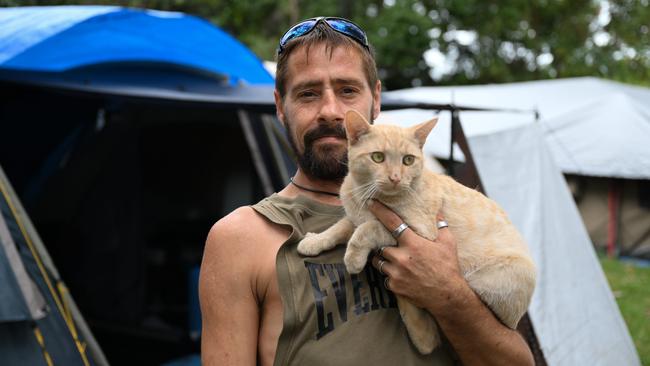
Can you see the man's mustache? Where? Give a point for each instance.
(336, 130)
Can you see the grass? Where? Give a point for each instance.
(631, 287)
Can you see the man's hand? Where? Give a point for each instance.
(428, 274)
(424, 271)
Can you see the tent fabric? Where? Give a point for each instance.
(593, 127)
(60, 38)
(573, 311)
(57, 336)
(15, 280)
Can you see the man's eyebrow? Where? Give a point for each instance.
(355, 82)
(308, 84)
(318, 83)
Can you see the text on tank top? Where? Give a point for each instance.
(332, 317)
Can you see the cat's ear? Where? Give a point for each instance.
(422, 130)
(355, 126)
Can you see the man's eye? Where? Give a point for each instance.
(306, 94)
(349, 91)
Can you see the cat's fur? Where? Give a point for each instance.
(492, 255)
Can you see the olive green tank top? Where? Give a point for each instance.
(332, 317)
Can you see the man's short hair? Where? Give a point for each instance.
(323, 34)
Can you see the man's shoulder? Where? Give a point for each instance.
(243, 229)
(238, 224)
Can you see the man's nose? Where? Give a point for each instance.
(331, 107)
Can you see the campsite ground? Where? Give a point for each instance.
(631, 286)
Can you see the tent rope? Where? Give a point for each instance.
(57, 296)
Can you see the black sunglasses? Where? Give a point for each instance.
(340, 25)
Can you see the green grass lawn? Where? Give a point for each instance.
(631, 287)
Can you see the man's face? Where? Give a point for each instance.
(321, 86)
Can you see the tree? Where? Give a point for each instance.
(426, 42)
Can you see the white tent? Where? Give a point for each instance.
(573, 311)
(593, 127)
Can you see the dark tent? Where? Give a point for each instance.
(122, 179)
(39, 321)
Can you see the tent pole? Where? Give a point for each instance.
(274, 143)
(613, 205)
(630, 251)
(258, 161)
(454, 117)
(468, 173)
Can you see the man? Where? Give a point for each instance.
(263, 303)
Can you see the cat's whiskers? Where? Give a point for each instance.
(362, 196)
(370, 194)
(358, 192)
(361, 187)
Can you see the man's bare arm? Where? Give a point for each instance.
(428, 274)
(227, 293)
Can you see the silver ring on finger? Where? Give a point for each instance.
(380, 267)
(399, 230)
(386, 283)
(381, 251)
(442, 224)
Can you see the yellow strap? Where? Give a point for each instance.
(64, 311)
(67, 315)
(41, 342)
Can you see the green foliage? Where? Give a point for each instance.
(512, 34)
(630, 29)
(630, 287)
(483, 41)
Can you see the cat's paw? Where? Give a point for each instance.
(354, 260)
(310, 245)
(425, 344)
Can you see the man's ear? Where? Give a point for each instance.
(355, 126)
(377, 101)
(279, 108)
(422, 130)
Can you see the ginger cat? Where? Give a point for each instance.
(386, 164)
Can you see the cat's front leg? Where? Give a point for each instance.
(313, 244)
(368, 236)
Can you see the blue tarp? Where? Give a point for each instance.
(62, 38)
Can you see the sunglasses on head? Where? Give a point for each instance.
(340, 25)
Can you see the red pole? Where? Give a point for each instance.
(612, 224)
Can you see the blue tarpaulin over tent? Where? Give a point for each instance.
(63, 38)
(137, 53)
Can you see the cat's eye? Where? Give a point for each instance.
(377, 157)
(408, 159)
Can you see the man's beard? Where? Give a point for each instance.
(325, 163)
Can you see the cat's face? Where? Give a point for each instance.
(387, 157)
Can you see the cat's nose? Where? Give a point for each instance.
(395, 179)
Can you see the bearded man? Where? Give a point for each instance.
(263, 303)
